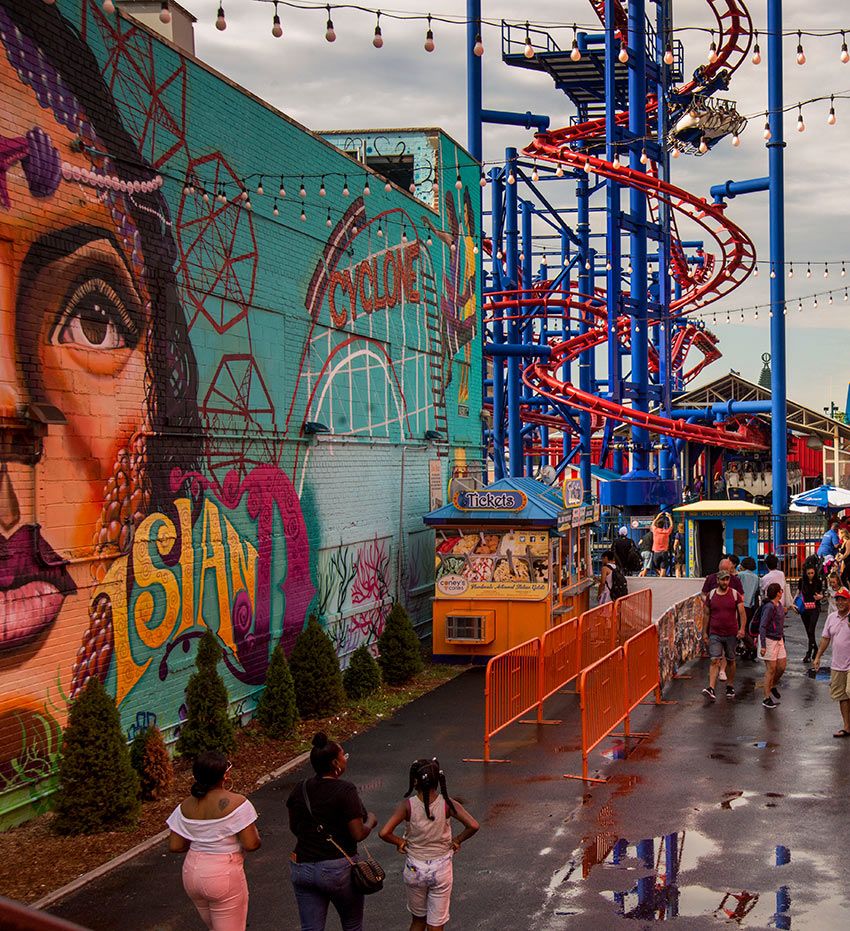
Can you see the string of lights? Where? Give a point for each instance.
(830, 295)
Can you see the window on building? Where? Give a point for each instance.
(395, 168)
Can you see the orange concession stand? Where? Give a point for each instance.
(511, 562)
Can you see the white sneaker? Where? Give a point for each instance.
(722, 675)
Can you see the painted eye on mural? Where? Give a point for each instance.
(96, 317)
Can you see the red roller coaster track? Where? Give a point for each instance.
(716, 277)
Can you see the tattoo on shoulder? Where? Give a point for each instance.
(223, 803)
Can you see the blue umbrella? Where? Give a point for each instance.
(824, 498)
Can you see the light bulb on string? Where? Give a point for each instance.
(756, 270)
(302, 191)
(575, 51)
(615, 164)
(528, 51)
(366, 189)
(668, 54)
(826, 269)
(303, 214)
(815, 302)
(587, 265)
(378, 38)
(544, 261)
(535, 174)
(675, 153)
(843, 270)
(221, 197)
(243, 194)
(623, 57)
(404, 233)
(801, 126)
(559, 171)
(329, 222)
(742, 316)
(345, 191)
(220, 21)
(458, 183)
(380, 230)
(800, 305)
(275, 210)
(756, 314)
(484, 181)
(801, 55)
(412, 187)
(736, 140)
(845, 294)
(330, 32)
(429, 241)
(808, 270)
(478, 47)
(831, 117)
(164, 13)
(587, 167)
(644, 158)
(282, 190)
(728, 317)
(430, 45)
(248, 204)
(703, 145)
(475, 249)
(766, 128)
(791, 270)
(845, 55)
(712, 49)
(830, 299)
(772, 272)
(756, 59)
(108, 7)
(435, 186)
(277, 29)
(511, 178)
(784, 309)
(388, 186)
(260, 190)
(323, 190)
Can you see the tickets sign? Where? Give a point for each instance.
(490, 500)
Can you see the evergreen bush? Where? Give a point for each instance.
(208, 725)
(276, 711)
(400, 651)
(98, 788)
(150, 759)
(363, 677)
(315, 671)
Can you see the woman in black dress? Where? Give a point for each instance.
(810, 588)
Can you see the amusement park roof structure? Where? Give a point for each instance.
(733, 388)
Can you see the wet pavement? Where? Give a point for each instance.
(666, 591)
(726, 815)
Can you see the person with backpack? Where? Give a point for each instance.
(612, 582)
(626, 552)
(428, 843)
(724, 621)
(748, 577)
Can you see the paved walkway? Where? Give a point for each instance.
(698, 813)
(665, 591)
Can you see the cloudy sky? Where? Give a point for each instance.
(351, 84)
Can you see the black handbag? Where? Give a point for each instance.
(367, 875)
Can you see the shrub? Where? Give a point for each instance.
(277, 712)
(98, 788)
(362, 677)
(208, 725)
(400, 651)
(151, 761)
(315, 671)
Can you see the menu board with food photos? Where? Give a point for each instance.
(477, 564)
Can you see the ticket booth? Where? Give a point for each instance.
(511, 562)
(714, 528)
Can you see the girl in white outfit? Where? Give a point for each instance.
(428, 843)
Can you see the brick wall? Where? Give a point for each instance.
(214, 397)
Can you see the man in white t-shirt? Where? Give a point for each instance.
(836, 633)
(774, 574)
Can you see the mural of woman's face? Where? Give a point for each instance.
(74, 324)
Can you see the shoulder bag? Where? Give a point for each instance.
(367, 875)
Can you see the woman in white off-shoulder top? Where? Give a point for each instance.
(215, 826)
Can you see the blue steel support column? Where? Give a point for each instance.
(498, 333)
(566, 368)
(514, 386)
(526, 327)
(585, 286)
(637, 239)
(776, 171)
(612, 192)
(473, 81)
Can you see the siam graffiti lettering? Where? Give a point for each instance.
(376, 283)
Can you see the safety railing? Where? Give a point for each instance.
(597, 631)
(559, 660)
(602, 688)
(612, 688)
(634, 613)
(511, 689)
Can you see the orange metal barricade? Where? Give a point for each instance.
(559, 660)
(634, 613)
(512, 688)
(597, 634)
(602, 687)
(642, 675)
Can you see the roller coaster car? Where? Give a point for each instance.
(704, 120)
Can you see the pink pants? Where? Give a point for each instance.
(216, 883)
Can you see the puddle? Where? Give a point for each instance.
(735, 800)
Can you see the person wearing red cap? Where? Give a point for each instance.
(836, 633)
